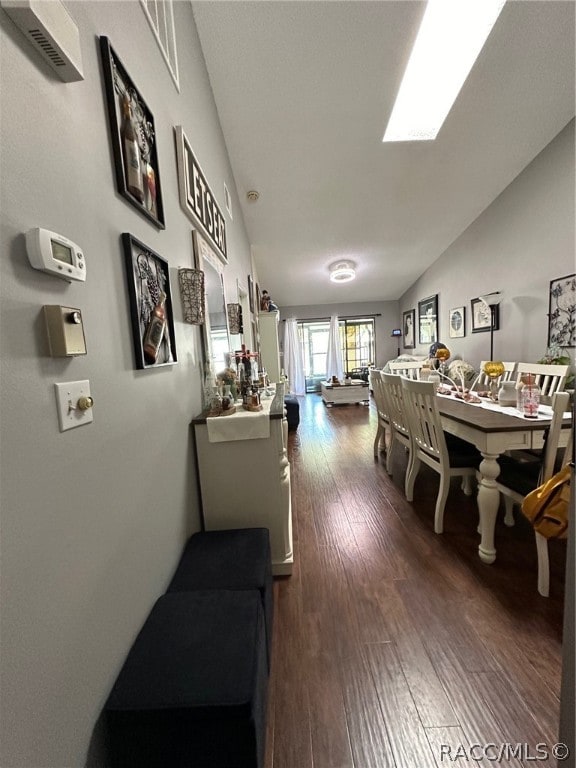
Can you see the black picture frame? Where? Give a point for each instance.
(147, 275)
(481, 314)
(117, 83)
(409, 328)
(562, 312)
(428, 320)
(457, 323)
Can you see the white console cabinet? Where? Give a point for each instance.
(245, 483)
(268, 324)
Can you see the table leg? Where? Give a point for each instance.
(488, 502)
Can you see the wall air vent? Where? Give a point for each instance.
(52, 32)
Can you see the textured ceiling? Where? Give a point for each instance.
(304, 91)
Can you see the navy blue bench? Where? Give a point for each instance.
(192, 691)
(292, 411)
(238, 558)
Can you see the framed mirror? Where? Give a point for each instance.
(216, 339)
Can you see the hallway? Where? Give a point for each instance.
(395, 647)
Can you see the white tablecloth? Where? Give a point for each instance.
(544, 411)
(242, 425)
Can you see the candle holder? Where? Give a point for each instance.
(442, 355)
(494, 370)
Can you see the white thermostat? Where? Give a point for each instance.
(55, 254)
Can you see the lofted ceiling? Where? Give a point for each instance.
(304, 91)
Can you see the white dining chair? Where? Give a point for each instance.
(522, 473)
(484, 381)
(383, 426)
(550, 378)
(410, 369)
(399, 432)
(450, 458)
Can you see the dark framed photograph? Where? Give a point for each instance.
(562, 312)
(250, 293)
(457, 323)
(408, 325)
(196, 197)
(428, 320)
(484, 317)
(133, 139)
(151, 311)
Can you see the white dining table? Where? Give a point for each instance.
(493, 430)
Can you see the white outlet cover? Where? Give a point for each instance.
(67, 396)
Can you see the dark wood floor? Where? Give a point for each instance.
(393, 644)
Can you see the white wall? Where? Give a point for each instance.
(386, 347)
(521, 242)
(94, 519)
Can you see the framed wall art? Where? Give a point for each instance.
(562, 312)
(428, 320)
(481, 316)
(457, 323)
(150, 305)
(196, 198)
(408, 325)
(133, 139)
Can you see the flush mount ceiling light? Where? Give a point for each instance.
(342, 271)
(252, 196)
(451, 36)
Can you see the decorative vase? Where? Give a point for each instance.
(216, 403)
(507, 394)
(227, 398)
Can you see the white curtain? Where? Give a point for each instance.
(294, 359)
(334, 362)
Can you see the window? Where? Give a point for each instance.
(358, 347)
(160, 15)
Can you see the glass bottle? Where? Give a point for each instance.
(216, 404)
(227, 398)
(149, 183)
(155, 330)
(131, 150)
(208, 386)
(530, 394)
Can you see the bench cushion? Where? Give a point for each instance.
(238, 558)
(192, 691)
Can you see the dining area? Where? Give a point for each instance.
(504, 431)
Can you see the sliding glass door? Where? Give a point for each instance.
(358, 347)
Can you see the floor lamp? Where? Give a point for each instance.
(492, 300)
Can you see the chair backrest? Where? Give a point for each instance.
(483, 381)
(550, 378)
(411, 369)
(420, 404)
(394, 399)
(559, 406)
(379, 394)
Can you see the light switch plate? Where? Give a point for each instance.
(67, 396)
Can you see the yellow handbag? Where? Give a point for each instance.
(547, 507)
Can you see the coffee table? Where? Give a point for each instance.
(349, 394)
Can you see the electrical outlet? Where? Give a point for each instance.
(74, 404)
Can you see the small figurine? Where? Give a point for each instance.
(266, 303)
